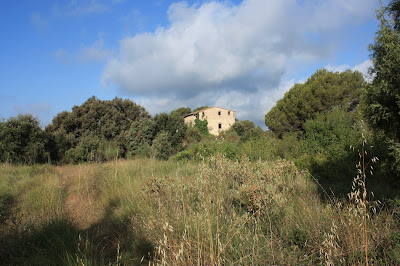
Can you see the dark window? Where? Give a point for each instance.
(219, 112)
(219, 126)
(229, 112)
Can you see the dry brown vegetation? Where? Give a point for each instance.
(213, 212)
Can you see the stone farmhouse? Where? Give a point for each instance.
(219, 119)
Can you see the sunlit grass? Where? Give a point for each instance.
(214, 211)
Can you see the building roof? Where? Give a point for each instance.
(202, 110)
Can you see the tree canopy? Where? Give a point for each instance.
(84, 133)
(383, 95)
(320, 93)
(22, 141)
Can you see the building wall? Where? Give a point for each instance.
(189, 120)
(219, 119)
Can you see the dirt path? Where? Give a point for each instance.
(79, 205)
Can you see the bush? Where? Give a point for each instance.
(192, 135)
(161, 147)
(22, 141)
(202, 126)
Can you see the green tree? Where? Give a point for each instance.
(382, 97)
(141, 135)
(247, 130)
(174, 125)
(84, 133)
(324, 147)
(200, 108)
(394, 12)
(320, 93)
(22, 141)
(161, 147)
(181, 111)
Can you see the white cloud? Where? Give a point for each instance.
(231, 55)
(340, 68)
(364, 69)
(94, 53)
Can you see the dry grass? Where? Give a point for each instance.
(216, 212)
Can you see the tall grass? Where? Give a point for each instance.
(216, 211)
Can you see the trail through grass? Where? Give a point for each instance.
(156, 212)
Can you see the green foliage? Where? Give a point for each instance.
(81, 135)
(192, 135)
(181, 111)
(288, 147)
(184, 156)
(261, 148)
(200, 108)
(22, 141)
(174, 125)
(394, 12)
(326, 143)
(332, 133)
(247, 130)
(382, 96)
(320, 93)
(202, 126)
(161, 147)
(141, 135)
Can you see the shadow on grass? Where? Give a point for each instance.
(60, 242)
(335, 180)
(6, 203)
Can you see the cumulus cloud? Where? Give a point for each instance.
(235, 56)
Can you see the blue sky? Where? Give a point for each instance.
(240, 55)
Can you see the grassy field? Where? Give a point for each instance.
(213, 212)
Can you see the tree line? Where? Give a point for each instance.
(97, 130)
(314, 124)
(320, 120)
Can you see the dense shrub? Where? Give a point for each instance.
(80, 135)
(22, 141)
(161, 146)
(328, 142)
(202, 126)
